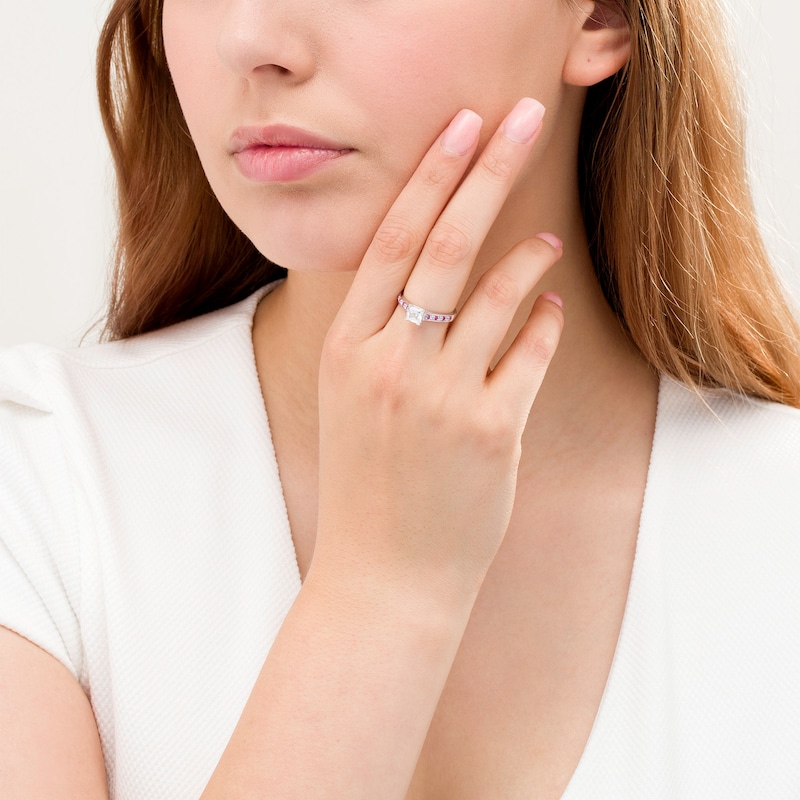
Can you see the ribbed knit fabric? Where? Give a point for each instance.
(144, 543)
(703, 700)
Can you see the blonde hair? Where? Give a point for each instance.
(672, 229)
(674, 235)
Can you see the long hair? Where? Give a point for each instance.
(178, 254)
(667, 206)
(673, 231)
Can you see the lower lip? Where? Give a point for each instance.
(284, 164)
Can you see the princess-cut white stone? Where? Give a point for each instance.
(415, 314)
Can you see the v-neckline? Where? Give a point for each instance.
(651, 503)
(580, 785)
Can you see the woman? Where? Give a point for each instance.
(429, 602)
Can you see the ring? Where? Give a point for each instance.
(419, 315)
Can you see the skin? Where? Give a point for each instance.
(359, 73)
(459, 613)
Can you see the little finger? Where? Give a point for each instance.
(483, 322)
(520, 372)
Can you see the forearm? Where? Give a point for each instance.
(343, 703)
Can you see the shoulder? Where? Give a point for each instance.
(88, 437)
(721, 520)
(40, 378)
(720, 412)
(726, 442)
(112, 407)
(723, 493)
(176, 340)
(39, 548)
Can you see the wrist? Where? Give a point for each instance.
(435, 604)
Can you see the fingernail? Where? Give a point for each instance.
(551, 239)
(553, 298)
(523, 122)
(462, 133)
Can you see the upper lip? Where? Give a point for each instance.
(249, 136)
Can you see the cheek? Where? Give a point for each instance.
(189, 36)
(417, 79)
(394, 85)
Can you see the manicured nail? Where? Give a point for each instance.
(523, 122)
(551, 239)
(462, 133)
(553, 298)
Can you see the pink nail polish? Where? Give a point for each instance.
(462, 133)
(524, 120)
(553, 298)
(551, 239)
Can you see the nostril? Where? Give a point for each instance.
(275, 69)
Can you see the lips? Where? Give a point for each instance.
(282, 153)
(280, 136)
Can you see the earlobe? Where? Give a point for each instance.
(601, 48)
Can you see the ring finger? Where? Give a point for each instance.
(443, 268)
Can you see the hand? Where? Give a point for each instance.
(419, 440)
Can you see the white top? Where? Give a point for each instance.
(144, 542)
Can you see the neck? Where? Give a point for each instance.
(595, 376)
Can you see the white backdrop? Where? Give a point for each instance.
(56, 224)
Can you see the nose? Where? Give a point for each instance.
(265, 37)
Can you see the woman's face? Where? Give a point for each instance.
(376, 79)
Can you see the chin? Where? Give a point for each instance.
(311, 243)
(321, 253)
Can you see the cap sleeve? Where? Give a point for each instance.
(39, 548)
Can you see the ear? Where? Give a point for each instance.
(602, 46)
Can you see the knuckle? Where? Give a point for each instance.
(495, 431)
(393, 241)
(541, 345)
(437, 413)
(448, 244)
(386, 390)
(389, 386)
(497, 166)
(337, 349)
(436, 177)
(501, 290)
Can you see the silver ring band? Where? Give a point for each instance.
(419, 315)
